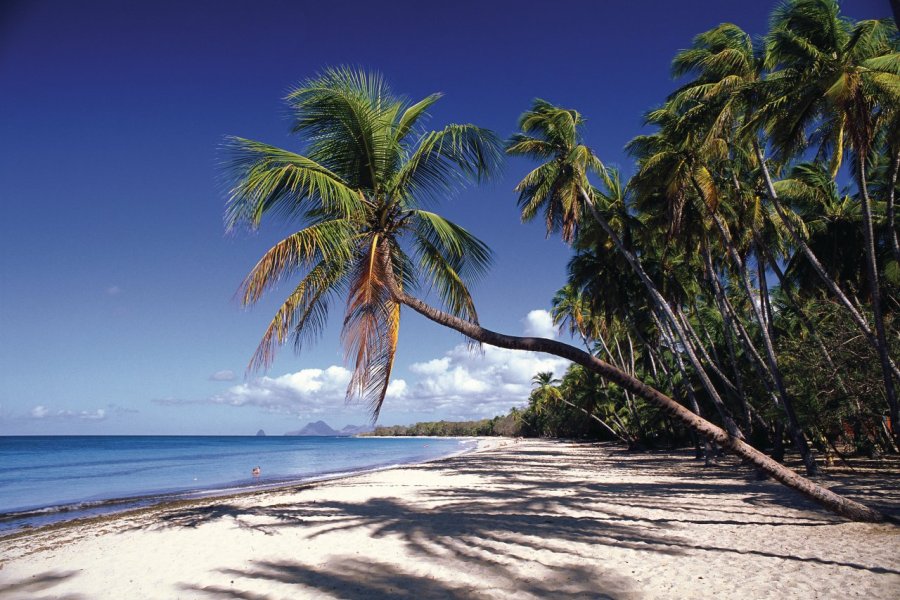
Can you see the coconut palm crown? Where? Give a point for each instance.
(366, 172)
(550, 134)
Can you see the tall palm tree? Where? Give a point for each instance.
(835, 75)
(356, 193)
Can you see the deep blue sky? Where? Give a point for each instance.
(116, 278)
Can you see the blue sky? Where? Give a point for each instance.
(117, 282)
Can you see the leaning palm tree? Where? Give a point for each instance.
(356, 193)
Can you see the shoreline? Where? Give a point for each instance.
(533, 519)
(148, 503)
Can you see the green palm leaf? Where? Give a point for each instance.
(269, 180)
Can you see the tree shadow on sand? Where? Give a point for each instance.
(33, 586)
(521, 519)
(352, 579)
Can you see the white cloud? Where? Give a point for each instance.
(303, 393)
(113, 290)
(396, 389)
(539, 323)
(224, 375)
(466, 384)
(434, 366)
(461, 384)
(42, 412)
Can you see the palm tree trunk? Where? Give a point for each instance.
(796, 430)
(875, 292)
(713, 365)
(673, 385)
(756, 361)
(728, 334)
(832, 286)
(629, 398)
(764, 299)
(892, 195)
(826, 498)
(663, 307)
(618, 436)
(810, 327)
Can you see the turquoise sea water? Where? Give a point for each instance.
(53, 478)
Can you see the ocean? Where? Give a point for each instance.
(54, 478)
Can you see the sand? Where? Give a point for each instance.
(535, 519)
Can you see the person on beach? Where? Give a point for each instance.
(256, 471)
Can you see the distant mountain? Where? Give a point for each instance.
(356, 429)
(260, 433)
(317, 428)
(321, 428)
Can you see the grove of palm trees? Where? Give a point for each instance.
(738, 292)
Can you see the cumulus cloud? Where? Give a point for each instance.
(224, 375)
(539, 323)
(471, 385)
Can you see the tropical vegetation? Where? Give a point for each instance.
(740, 291)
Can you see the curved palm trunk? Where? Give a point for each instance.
(663, 307)
(826, 498)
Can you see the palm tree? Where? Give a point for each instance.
(560, 187)
(360, 187)
(729, 87)
(356, 194)
(835, 76)
(724, 61)
(547, 392)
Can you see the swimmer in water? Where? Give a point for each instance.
(256, 471)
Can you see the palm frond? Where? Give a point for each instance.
(347, 116)
(412, 115)
(275, 182)
(371, 327)
(302, 315)
(445, 159)
(330, 241)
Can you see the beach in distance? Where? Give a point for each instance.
(515, 519)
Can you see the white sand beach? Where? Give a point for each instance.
(534, 519)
